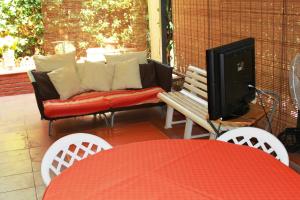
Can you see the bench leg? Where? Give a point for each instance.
(169, 117)
(188, 129)
(213, 136)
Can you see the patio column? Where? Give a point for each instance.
(154, 10)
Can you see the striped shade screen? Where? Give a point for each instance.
(275, 25)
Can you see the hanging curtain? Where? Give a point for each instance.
(275, 25)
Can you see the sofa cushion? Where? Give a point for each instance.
(95, 75)
(141, 56)
(92, 102)
(66, 81)
(52, 62)
(85, 103)
(148, 75)
(46, 89)
(127, 75)
(123, 98)
(163, 75)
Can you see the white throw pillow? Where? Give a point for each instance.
(141, 56)
(65, 81)
(52, 62)
(95, 75)
(127, 75)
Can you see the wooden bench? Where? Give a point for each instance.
(191, 101)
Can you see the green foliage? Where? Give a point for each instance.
(109, 21)
(22, 19)
(9, 42)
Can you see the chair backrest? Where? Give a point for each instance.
(257, 138)
(65, 151)
(196, 82)
(195, 85)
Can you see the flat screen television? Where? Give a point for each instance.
(230, 72)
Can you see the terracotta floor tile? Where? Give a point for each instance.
(13, 156)
(38, 181)
(40, 126)
(132, 133)
(39, 139)
(12, 127)
(18, 135)
(13, 117)
(15, 167)
(295, 157)
(40, 192)
(78, 125)
(25, 194)
(36, 166)
(16, 182)
(37, 153)
(12, 145)
(36, 142)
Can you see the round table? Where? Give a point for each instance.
(177, 169)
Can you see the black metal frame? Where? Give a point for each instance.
(164, 23)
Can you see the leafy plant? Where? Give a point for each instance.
(109, 21)
(22, 19)
(9, 42)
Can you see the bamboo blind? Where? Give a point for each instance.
(63, 21)
(275, 25)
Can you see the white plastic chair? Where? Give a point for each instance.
(257, 138)
(65, 151)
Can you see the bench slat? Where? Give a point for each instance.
(194, 97)
(198, 108)
(190, 104)
(194, 117)
(196, 83)
(197, 70)
(194, 89)
(196, 76)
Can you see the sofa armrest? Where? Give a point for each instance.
(38, 97)
(163, 75)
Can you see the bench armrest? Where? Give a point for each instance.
(163, 75)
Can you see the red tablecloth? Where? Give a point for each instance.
(177, 169)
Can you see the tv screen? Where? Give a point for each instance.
(230, 71)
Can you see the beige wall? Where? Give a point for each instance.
(155, 29)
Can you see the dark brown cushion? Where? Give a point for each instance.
(163, 75)
(148, 75)
(45, 87)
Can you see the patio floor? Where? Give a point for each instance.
(24, 139)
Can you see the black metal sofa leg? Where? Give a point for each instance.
(107, 123)
(50, 127)
(112, 118)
